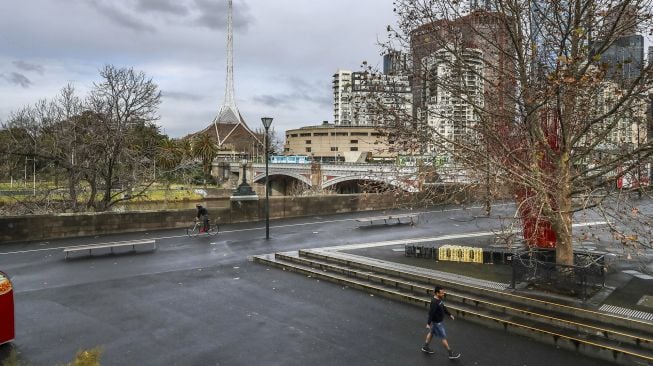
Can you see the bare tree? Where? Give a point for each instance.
(527, 93)
(49, 133)
(104, 144)
(122, 101)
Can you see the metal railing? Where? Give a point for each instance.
(538, 268)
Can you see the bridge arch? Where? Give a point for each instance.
(261, 177)
(389, 180)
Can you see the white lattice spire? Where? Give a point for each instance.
(229, 112)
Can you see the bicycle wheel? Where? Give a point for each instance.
(213, 229)
(192, 231)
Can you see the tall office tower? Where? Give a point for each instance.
(624, 59)
(480, 5)
(451, 89)
(395, 63)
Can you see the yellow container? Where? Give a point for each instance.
(458, 253)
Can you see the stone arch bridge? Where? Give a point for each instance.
(342, 177)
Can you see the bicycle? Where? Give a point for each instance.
(194, 230)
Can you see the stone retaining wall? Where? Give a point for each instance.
(47, 227)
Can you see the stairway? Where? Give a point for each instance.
(596, 334)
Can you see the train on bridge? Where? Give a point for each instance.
(290, 159)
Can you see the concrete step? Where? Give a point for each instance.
(586, 339)
(487, 290)
(483, 303)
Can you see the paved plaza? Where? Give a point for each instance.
(202, 301)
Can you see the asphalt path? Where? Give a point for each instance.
(201, 301)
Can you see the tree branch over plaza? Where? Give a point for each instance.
(530, 94)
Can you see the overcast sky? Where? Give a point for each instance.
(286, 52)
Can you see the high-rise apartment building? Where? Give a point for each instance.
(628, 130)
(342, 97)
(366, 99)
(449, 112)
(460, 68)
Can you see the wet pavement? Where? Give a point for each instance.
(201, 301)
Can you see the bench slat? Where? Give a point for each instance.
(389, 217)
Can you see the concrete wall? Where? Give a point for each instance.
(47, 227)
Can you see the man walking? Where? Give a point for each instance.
(437, 310)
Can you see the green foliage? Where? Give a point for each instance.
(89, 357)
(13, 360)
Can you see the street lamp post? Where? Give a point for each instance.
(267, 121)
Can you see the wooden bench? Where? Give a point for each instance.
(388, 219)
(129, 243)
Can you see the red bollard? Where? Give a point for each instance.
(7, 330)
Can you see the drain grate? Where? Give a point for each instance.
(630, 313)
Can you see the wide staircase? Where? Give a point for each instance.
(559, 323)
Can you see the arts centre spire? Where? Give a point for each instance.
(229, 118)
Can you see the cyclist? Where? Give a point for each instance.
(203, 214)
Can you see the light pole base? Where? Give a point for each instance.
(251, 197)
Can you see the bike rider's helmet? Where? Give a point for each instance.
(198, 205)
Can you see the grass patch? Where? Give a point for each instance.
(90, 357)
(156, 193)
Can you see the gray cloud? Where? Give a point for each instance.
(302, 91)
(213, 15)
(26, 66)
(121, 17)
(162, 6)
(17, 79)
(181, 96)
(271, 101)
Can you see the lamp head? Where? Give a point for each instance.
(267, 122)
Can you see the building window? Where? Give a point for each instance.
(304, 134)
(308, 149)
(286, 149)
(334, 148)
(354, 148)
(353, 141)
(293, 135)
(308, 142)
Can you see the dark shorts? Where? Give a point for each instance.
(437, 329)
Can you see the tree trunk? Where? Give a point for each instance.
(564, 245)
(562, 219)
(72, 190)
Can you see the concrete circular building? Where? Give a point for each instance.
(329, 142)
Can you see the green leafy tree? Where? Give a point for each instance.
(205, 149)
